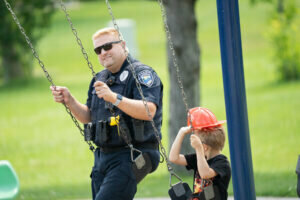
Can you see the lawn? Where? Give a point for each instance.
(49, 154)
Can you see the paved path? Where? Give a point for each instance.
(230, 198)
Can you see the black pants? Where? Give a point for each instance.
(112, 176)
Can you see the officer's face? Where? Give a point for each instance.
(113, 58)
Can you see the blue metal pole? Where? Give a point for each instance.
(235, 99)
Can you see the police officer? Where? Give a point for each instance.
(115, 116)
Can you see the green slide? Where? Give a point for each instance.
(9, 182)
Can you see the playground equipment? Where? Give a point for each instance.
(9, 182)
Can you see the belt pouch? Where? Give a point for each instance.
(138, 128)
(89, 132)
(101, 132)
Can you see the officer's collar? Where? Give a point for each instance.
(124, 65)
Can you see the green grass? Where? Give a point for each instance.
(47, 151)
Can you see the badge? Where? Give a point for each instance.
(124, 75)
(146, 78)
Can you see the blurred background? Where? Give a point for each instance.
(47, 151)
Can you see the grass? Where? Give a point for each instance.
(47, 151)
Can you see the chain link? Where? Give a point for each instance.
(35, 54)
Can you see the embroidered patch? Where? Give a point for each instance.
(123, 76)
(146, 78)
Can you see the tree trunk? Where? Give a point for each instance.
(183, 28)
(280, 7)
(16, 65)
(12, 65)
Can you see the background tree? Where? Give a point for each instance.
(15, 55)
(183, 28)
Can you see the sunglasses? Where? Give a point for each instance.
(108, 46)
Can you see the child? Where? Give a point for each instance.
(209, 165)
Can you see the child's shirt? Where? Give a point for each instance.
(221, 166)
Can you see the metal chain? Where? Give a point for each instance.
(171, 47)
(175, 64)
(35, 54)
(74, 31)
(162, 149)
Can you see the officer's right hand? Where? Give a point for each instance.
(61, 94)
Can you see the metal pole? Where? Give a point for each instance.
(235, 99)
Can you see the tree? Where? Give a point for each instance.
(183, 28)
(16, 56)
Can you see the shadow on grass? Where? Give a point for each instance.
(266, 184)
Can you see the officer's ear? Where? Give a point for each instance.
(123, 43)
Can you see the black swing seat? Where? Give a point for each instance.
(142, 167)
(180, 191)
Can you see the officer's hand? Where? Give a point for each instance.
(103, 91)
(61, 94)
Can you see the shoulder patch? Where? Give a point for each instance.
(146, 78)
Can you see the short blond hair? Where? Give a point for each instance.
(213, 137)
(105, 31)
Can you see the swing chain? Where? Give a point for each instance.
(171, 47)
(162, 149)
(75, 33)
(35, 54)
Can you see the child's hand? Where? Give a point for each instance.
(196, 143)
(185, 130)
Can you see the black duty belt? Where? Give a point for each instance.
(137, 146)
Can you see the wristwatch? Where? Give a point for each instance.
(119, 99)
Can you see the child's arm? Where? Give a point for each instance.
(175, 156)
(203, 168)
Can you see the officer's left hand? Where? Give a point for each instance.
(103, 91)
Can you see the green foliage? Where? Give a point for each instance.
(284, 35)
(34, 16)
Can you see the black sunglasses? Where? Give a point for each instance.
(106, 47)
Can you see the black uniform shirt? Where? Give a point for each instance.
(125, 84)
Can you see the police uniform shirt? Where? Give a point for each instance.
(125, 84)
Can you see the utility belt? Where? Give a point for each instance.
(99, 132)
(153, 146)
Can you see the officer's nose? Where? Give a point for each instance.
(104, 52)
